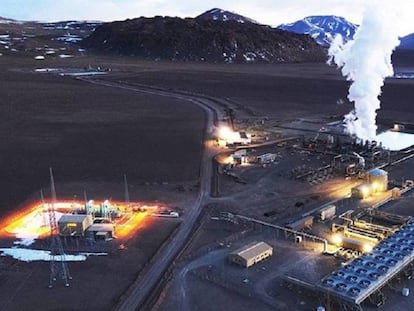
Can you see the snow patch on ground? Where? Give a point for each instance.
(31, 226)
(24, 254)
(86, 73)
(404, 75)
(395, 140)
(66, 56)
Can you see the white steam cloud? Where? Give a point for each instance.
(366, 61)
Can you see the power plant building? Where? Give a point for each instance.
(266, 158)
(102, 231)
(365, 275)
(74, 225)
(250, 254)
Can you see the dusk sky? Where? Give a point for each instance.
(271, 12)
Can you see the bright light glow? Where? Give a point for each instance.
(375, 186)
(367, 248)
(128, 227)
(227, 134)
(32, 222)
(396, 127)
(336, 239)
(228, 160)
(365, 191)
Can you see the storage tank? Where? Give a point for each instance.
(378, 179)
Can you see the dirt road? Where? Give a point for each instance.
(142, 287)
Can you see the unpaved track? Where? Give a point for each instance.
(142, 287)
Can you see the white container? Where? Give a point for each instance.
(320, 308)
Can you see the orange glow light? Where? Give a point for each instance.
(131, 225)
(32, 222)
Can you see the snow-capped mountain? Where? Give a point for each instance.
(322, 28)
(407, 42)
(224, 16)
(4, 20)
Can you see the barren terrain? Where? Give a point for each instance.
(91, 135)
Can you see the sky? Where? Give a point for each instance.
(271, 12)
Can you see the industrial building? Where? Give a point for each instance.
(305, 222)
(250, 254)
(240, 156)
(74, 225)
(367, 274)
(102, 231)
(266, 158)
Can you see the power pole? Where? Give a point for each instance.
(58, 266)
(127, 193)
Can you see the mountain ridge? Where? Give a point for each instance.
(192, 39)
(323, 28)
(218, 14)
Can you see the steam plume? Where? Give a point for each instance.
(366, 61)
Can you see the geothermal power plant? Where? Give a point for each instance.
(208, 163)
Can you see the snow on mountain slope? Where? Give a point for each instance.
(322, 28)
(224, 16)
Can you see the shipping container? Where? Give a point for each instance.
(327, 212)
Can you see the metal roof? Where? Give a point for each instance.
(377, 172)
(366, 274)
(101, 227)
(72, 218)
(252, 250)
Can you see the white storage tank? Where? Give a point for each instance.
(378, 179)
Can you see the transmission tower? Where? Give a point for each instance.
(58, 266)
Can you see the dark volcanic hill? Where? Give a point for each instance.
(191, 39)
(224, 16)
